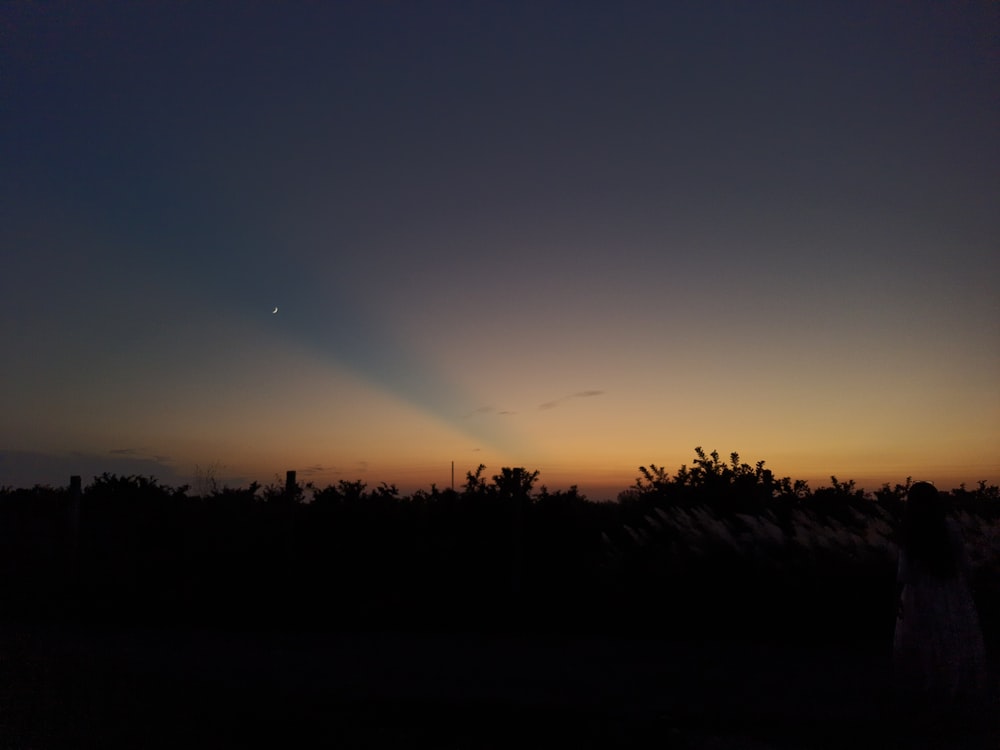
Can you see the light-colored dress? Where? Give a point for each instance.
(938, 647)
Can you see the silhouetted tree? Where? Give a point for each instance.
(241, 498)
(354, 555)
(280, 493)
(475, 483)
(515, 483)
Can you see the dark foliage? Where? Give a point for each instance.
(720, 547)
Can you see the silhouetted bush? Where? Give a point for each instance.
(720, 547)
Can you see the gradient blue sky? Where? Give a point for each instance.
(577, 237)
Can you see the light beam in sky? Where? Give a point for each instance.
(769, 230)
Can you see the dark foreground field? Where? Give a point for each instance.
(718, 608)
(97, 688)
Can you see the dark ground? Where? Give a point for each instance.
(80, 687)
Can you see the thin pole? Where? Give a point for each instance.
(452, 476)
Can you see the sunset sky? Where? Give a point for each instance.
(577, 237)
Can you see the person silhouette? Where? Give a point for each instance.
(938, 653)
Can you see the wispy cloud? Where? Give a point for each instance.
(489, 410)
(141, 453)
(579, 394)
(480, 410)
(337, 470)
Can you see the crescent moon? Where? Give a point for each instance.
(274, 311)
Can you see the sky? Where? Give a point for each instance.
(577, 237)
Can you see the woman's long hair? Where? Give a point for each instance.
(926, 538)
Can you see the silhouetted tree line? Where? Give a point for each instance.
(718, 548)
